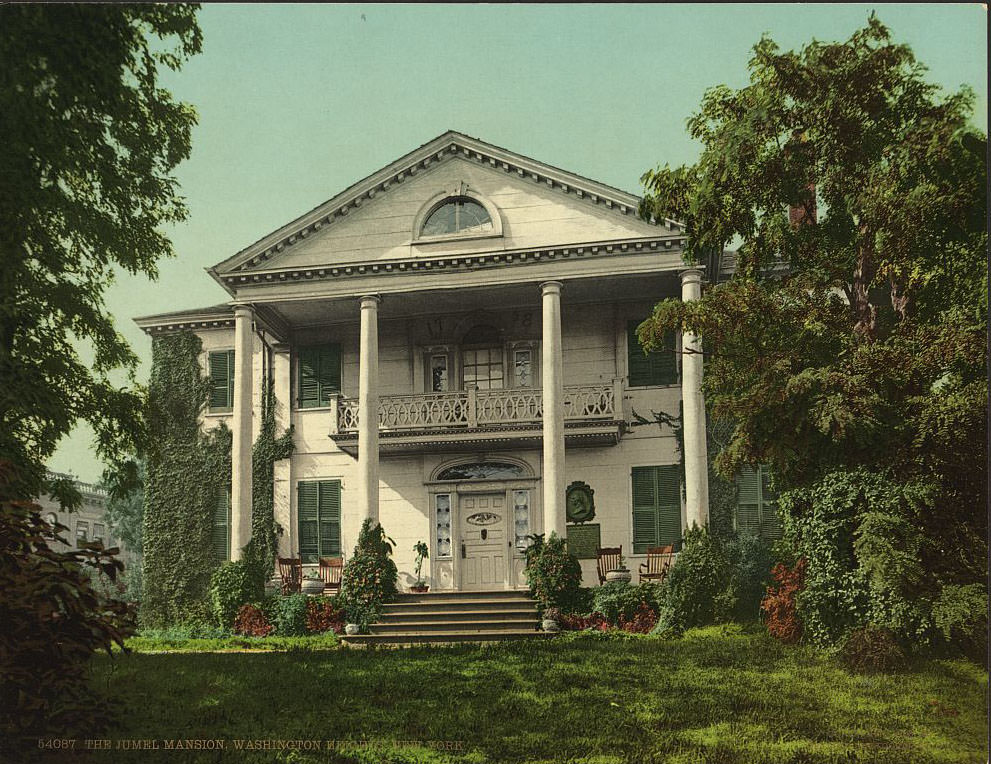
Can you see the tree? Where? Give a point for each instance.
(851, 340)
(90, 140)
(125, 509)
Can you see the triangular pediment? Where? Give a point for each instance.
(377, 218)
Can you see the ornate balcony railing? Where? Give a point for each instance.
(482, 408)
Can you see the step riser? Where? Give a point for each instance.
(420, 639)
(455, 615)
(427, 628)
(434, 596)
(409, 607)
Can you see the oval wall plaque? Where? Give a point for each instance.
(483, 518)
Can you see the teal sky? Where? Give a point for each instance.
(296, 102)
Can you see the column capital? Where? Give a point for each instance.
(369, 300)
(551, 286)
(243, 308)
(692, 274)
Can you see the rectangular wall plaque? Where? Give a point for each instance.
(583, 540)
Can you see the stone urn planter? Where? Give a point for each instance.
(312, 586)
(550, 625)
(420, 588)
(620, 574)
(350, 629)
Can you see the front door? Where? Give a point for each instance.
(484, 546)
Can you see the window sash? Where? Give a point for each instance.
(319, 373)
(756, 504)
(222, 526)
(221, 365)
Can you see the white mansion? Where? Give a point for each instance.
(452, 340)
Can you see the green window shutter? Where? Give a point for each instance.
(669, 505)
(644, 509)
(319, 374)
(748, 501)
(656, 368)
(222, 527)
(222, 379)
(330, 518)
(656, 507)
(770, 521)
(308, 514)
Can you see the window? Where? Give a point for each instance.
(442, 503)
(522, 368)
(222, 527)
(482, 471)
(656, 368)
(82, 531)
(656, 507)
(98, 532)
(457, 215)
(438, 374)
(319, 514)
(521, 519)
(222, 380)
(756, 503)
(482, 368)
(319, 374)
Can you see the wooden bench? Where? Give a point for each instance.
(658, 563)
(606, 559)
(331, 569)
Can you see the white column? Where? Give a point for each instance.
(282, 377)
(241, 430)
(553, 411)
(696, 454)
(368, 410)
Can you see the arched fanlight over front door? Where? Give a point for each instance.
(482, 471)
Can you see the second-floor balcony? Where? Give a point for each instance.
(593, 415)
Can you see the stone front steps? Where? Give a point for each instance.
(452, 617)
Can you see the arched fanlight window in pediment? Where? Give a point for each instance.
(458, 214)
(483, 471)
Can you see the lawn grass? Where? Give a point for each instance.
(717, 696)
(157, 644)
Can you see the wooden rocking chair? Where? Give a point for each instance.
(606, 559)
(291, 571)
(331, 569)
(658, 563)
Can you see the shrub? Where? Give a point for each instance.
(322, 614)
(961, 615)
(750, 559)
(230, 587)
(573, 622)
(369, 577)
(697, 583)
(553, 574)
(871, 649)
(779, 605)
(642, 621)
(251, 622)
(53, 621)
(287, 614)
(617, 600)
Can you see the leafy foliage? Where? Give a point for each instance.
(53, 622)
(553, 574)
(323, 614)
(266, 451)
(369, 577)
(851, 340)
(90, 142)
(870, 649)
(251, 622)
(779, 606)
(698, 580)
(288, 614)
(618, 601)
(187, 471)
(125, 509)
(231, 586)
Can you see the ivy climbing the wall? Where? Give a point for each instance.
(187, 470)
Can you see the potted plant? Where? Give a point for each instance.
(620, 572)
(312, 583)
(551, 620)
(422, 553)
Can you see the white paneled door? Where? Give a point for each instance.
(485, 546)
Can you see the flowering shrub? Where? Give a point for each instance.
(779, 607)
(251, 622)
(553, 574)
(595, 621)
(322, 615)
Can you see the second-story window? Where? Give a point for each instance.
(659, 367)
(481, 359)
(319, 374)
(222, 381)
(82, 531)
(523, 368)
(437, 368)
(98, 532)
